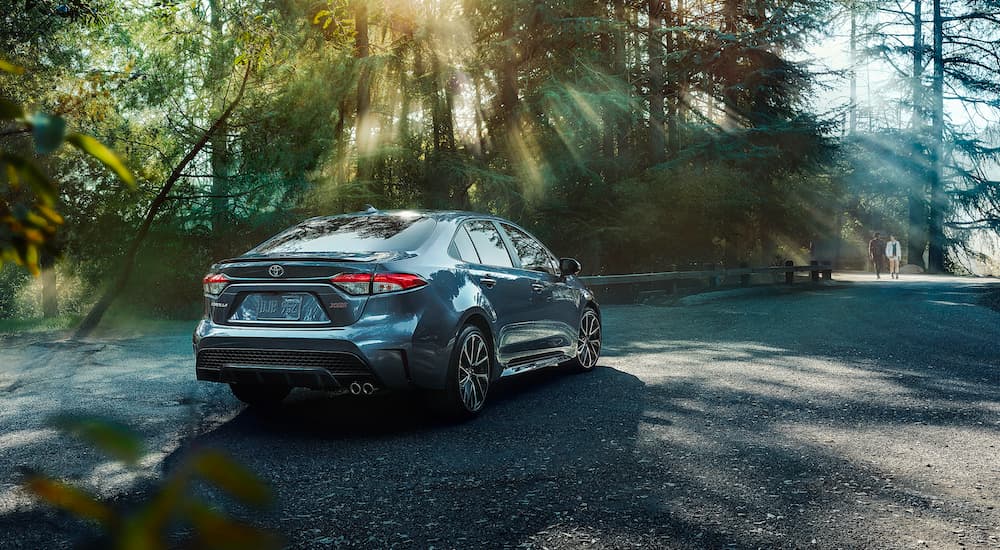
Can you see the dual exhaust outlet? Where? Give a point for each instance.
(357, 388)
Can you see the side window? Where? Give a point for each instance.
(488, 243)
(533, 255)
(463, 245)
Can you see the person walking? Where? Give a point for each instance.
(876, 251)
(893, 252)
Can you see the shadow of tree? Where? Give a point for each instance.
(847, 425)
(762, 424)
(765, 422)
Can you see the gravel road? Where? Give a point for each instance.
(859, 415)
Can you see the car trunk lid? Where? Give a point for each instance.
(280, 291)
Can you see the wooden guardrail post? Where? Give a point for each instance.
(814, 273)
(744, 277)
(789, 275)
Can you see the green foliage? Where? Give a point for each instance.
(12, 278)
(8, 67)
(335, 21)
(545, 112)
(106, 156)
(150, 524)
(114, 439)
(28, 212)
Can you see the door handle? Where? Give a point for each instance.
(488, 282)
(537, 287)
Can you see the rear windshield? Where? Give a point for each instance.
(351, 234)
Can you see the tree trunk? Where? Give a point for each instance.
(657, 141)
(607, 41)
(50, 294)
(220, 176)
(508, 110)
(480, 136)
(683, 76)
(437, 134)
(426, 87)
(448, 112)
(218, 66)
(730, 101)
(621, 129)
(127, 262)
(853, 107)
(363, 123)
(636, 129)
(455, 191)
(442, 101)
(340, 150)
(673, 144)
(405, 103)
(916, 235)
(938, 200)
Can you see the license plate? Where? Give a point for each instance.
(280, 307)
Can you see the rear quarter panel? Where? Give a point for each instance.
(441, 307)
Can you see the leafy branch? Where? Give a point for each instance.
(146, 525)
(29, 216)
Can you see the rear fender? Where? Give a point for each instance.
(453, 302)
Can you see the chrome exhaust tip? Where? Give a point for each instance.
(368, 388)
(355, 388)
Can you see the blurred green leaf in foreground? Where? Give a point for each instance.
(172, 507)
(29, 215)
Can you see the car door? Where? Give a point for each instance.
(506, 290)
(554, 309)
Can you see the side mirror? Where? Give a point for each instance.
(569, 266)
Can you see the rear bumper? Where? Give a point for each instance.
(319, 370)
(318, 358)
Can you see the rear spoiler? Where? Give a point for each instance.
(355, 257)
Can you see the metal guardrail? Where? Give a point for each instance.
(715, 277)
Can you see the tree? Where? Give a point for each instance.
(657, 119)
(916, 201)
(28, 196)
(950, 192)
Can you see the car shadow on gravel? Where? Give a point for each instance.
(316, 414)
(550, 462)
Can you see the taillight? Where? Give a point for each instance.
(394, 282)
(353, 283)
(380, 283)
(215, 283)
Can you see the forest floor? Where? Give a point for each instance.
(860, 415)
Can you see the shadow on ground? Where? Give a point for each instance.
(865, 416)
(553, 453)
(745, 423)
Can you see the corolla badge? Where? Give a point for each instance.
(276, 271)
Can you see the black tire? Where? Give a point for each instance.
(470, 371)
(589, 340)
(259, 395)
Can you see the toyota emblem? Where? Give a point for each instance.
(276, 270)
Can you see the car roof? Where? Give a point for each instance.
(439, 215)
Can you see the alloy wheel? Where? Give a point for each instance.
(473, 372)
(588, 346)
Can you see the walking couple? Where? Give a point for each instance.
(880, 251)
